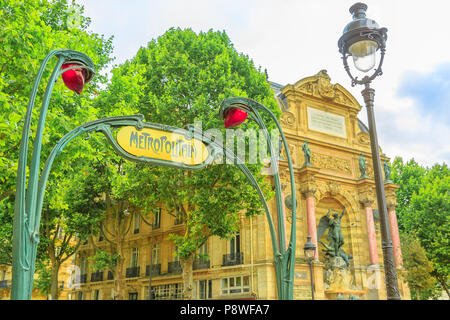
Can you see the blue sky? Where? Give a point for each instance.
(294, 39)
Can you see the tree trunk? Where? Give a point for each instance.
(418, 294)
(119, 278)
(188, 276)
(443, 283)
(54, 282)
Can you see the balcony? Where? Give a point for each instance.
(156, 270)
(132, 272)
(5, 284)
(174, 267)
(97, 276)
(233, 259)
(201, 264)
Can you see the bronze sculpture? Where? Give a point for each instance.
(307, 153)
(362, 166)
(335, 238)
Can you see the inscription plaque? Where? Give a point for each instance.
(326, 122)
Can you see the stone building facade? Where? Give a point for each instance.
(326, 115)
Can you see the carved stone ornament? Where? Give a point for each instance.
(320, 86)
(363, 138)
(329, 162)
(324, 87)
(333, 188)
(287, 119)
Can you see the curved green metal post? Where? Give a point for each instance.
(284, 258)
(25, 234)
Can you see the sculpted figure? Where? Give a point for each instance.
(307, 153)
(335, 238)
(387, 171)
(362, 166)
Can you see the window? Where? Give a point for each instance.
(235, 244)
(134, 257)
(203, 250)
(203, 289)
(133, 296)
(155, 253)
(167, 292)
(97, 294)
(83, 265)
(157, 219)
(178, 215)
(176, 256)
(238, 284)
(80, 295)
(137, 221)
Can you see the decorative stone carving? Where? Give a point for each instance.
(320, 86)
(332, 163)
(333, 188)
(325, 89)
(287, 119)
(292, 152)
(363, 138)
(366, 197)
(308, 186)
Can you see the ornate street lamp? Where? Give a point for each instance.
(234, 111)
(361, 40)
(309, 249)
(76, 69)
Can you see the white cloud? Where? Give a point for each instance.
(295, 39)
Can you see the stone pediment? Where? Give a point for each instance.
(320, 86)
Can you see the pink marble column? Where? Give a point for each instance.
(312, 226)
(395, 236)
(371, 236)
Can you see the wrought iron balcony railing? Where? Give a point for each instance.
(132, 272)
(201, 264)
(97, 276)
(156, 270)
(174, 267)
(233, 259)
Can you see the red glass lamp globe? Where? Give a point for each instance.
(234, 117)
(74, 79)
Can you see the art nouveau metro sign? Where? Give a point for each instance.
(152, 143)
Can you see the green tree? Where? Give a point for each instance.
(28, 31)
(183, 78)
(417, 265)
(423, 211)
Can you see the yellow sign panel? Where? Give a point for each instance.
(162, 145)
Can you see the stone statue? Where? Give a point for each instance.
(307, 153)
(387, 171)
(333, 223)
(337, 273)
(362, 166)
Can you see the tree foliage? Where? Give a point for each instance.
(177, 79)
(29, 30)
(424, 211)
(417, 265)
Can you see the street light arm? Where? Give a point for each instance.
(24, 209)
